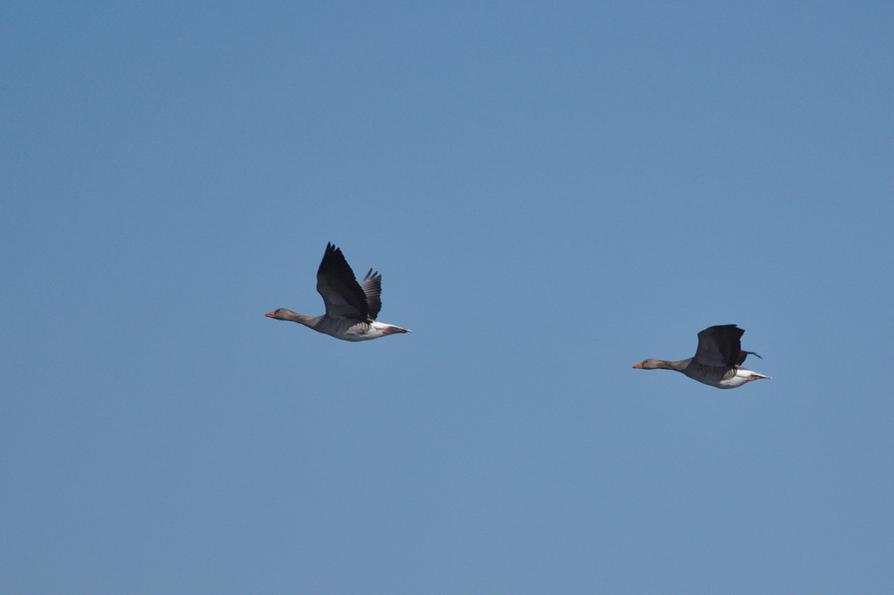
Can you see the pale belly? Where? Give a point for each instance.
(716, 378)
(741, 377)
(732, 382)
(358, 331)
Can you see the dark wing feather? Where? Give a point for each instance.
(746, 354)
(343, 296)
(372, 287)
(720, 346)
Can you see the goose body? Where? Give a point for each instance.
(351, 307)
(717, 361)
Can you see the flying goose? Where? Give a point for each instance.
(351, 307)
(716, 361)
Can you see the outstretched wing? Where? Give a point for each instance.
(720, 346)
(343, 296)
(372, 287)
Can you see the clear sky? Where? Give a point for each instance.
(552, 193)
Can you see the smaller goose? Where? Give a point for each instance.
(351, 307)
(716, 361)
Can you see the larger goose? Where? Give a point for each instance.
(351, 307)
(716, 361)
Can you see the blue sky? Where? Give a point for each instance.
(552, 193)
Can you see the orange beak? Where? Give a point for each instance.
(271, 314)
(638, 365)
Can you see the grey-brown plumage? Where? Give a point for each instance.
(717, 359)
(351, 307)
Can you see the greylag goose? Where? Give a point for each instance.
(351, 307)
(716, 361)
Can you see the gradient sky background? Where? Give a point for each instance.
(552, 193)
